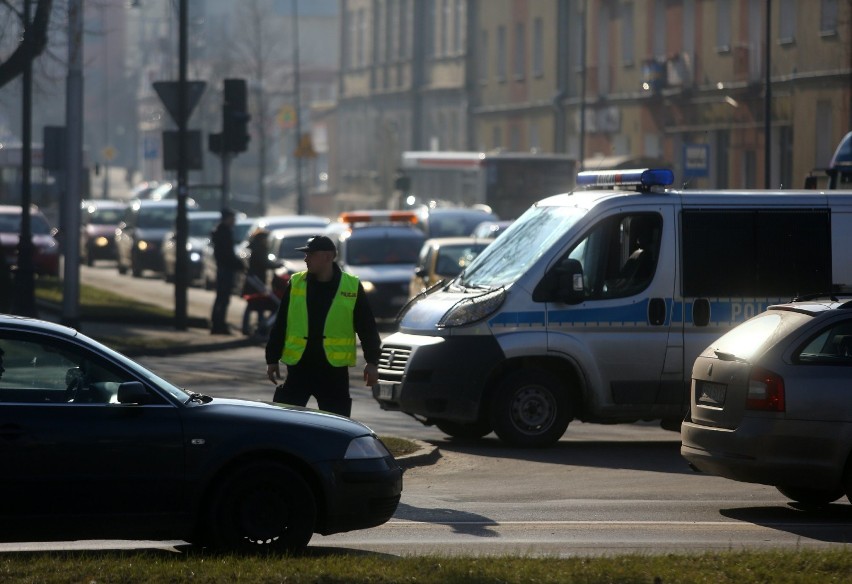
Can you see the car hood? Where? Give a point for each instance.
(379, 273)
(151, 234)
(11, 240)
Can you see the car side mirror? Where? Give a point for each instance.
(421, 272)
(133, 392)
(564, 283)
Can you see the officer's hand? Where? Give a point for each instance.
(274, 373)
(371, 374)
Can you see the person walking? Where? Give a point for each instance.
(314, 332)
(228, 265)
(256, 287)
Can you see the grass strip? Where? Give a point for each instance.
(321, 566)
(100, 304)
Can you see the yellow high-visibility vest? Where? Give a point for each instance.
(339, 332)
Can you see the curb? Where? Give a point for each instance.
(190, 348)
(426, 455)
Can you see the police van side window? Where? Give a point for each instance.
(755, 253)
(619, 255)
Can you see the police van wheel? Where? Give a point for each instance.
(466, 431)
(530, 409)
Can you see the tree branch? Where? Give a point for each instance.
(32, 46)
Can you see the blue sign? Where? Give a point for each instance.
(151, 147)
(696, 160)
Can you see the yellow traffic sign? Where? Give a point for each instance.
(305, 149)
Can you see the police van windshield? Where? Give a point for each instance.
(520, 246)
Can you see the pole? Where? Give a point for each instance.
(767, 102)
(300, 202)
(181, 227)
(73, 165)
(24, 277)
(583, 24)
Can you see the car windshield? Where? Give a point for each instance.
(11, 223)
(203, 227)
(160, 218)
(520, 246)
(452, 259)
(106, 216)
(287, 247)
(455, 224)
(241, 231)
(382, 250)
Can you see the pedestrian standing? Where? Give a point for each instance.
(322, 310)
(256, 290)
(228, 265)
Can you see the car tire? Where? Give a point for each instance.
(135, 268)
(530, 409)
(811, 498)
(122, 269)
(262, 507)
(472, 431)
(90, 257)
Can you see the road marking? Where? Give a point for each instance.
(413, 523)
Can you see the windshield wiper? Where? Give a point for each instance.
(198, 397)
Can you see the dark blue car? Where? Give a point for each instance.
(92, 445)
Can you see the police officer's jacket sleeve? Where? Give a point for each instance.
(275, 343)
(365, 326)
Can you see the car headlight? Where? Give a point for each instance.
(142, 245)
(101, 241)
(368, 286)
(473, 309)
(195, 257)
(365, 447)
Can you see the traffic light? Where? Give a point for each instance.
(235, 116)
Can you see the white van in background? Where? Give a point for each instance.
(593, 305)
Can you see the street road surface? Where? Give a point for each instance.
(601, 490)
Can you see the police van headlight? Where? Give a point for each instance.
(368, 286)
(473, 309)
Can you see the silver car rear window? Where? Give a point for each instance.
(748, 339)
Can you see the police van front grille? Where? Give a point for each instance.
(394, 358)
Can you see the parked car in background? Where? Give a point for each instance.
(453, 221)
(139, 237)
(769, 402)
(489, 229)
(200, 224)
(443, 258)
(45, 246)
(380, 247)
(136, 457)
(98, 221)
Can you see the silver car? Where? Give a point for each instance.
(770, 402)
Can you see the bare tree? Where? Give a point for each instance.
(14, 65)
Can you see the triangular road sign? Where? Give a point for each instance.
(168, 92)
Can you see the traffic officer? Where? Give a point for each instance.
(321, 311)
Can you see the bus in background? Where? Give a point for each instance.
(507, 182)
(839, 171)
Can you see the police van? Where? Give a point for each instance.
(593, 305)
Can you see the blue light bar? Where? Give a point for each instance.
(635, 177)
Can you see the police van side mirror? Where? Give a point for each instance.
(564, 283)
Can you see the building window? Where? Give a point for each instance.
(496, 138)
(379, 26)
(538, 47)
(445, 26)
(828, 17)
(405, 25)
(723, 26)
(520, 50)
(458, 28)
(501, 53)
(361, 38)
(483, 56)
(627, 35)
(787, 22)
(658, 30)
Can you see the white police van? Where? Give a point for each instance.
(593, 305)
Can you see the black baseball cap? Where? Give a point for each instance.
(318, 243)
